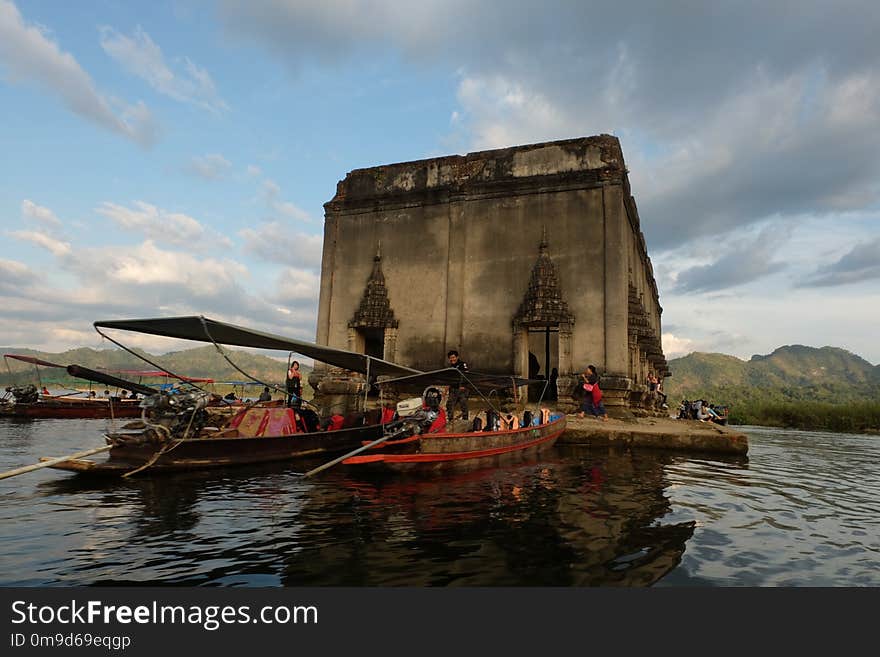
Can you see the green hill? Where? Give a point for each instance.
(793, 386)
(201, 362)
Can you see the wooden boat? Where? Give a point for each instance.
(27, 402)
(444, 450)
(257, 434)
(437, 451)
(73, 407)
(181, 431)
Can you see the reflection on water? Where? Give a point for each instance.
(801, 510)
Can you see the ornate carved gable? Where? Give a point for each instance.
(543, 304)
(375, 310)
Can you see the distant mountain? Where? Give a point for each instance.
(790, 374)
(201, 362)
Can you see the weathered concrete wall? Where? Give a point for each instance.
(460, 236)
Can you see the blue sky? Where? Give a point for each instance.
(173, 157)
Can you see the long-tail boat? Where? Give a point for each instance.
(27, 401)
(181, 432)
(427, 450)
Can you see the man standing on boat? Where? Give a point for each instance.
(457, 394)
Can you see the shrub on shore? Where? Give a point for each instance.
(853, 417)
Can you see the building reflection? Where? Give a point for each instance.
(575, 519)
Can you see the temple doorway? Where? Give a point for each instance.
(543, 362)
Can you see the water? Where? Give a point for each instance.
(802, 510)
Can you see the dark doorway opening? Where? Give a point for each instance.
(543, 361)
(374, 345)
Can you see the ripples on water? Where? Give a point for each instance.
(801, 510)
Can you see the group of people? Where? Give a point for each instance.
(587, 390)
(700, 409)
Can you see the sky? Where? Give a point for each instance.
(173, 157)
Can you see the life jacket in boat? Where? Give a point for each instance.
(336, 422)
(387, 415)
(508, 422)
(301, 426)
(545, 415)
(439, 423)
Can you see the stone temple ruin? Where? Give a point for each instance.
(527, 259)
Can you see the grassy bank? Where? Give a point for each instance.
(853, 417)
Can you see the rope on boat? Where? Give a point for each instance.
(489, 401)
(155, 457)
(241, 371)
(148, 361)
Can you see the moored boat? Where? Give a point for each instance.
(434, 447)
(73, 407)
(182, 432)
(445, 450)
(254, 435)
(26, 401)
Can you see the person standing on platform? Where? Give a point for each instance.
(458, 394)
(592, 402)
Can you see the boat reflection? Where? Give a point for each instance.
(588, 519)
(571, 517)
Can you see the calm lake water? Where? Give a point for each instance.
(802, 510)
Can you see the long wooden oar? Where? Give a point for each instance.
(360, 449)
(46, 464)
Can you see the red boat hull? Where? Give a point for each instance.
(442, 451)
(80, 408)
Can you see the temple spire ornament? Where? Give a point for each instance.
(375, 310)
(543, 304)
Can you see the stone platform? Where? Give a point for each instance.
(655, 433)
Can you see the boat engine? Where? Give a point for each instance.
(420, 420)
(24, 394)
(175, 415)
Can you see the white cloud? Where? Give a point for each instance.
(14, 274)
(139, 55)
(740, 261)
(38, 213)
(148, 265)
(210, 167)
(253, 170)
(153, 222)
(861, 263)
(28, 54)
(297, 285)
(499, 111)
(274, 242)
(57, 247)
(270, 192)
(674, 346)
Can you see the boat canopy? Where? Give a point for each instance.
(32, 360)
(452, 376)
(100, 377)
(203, 329)
(156, 373)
